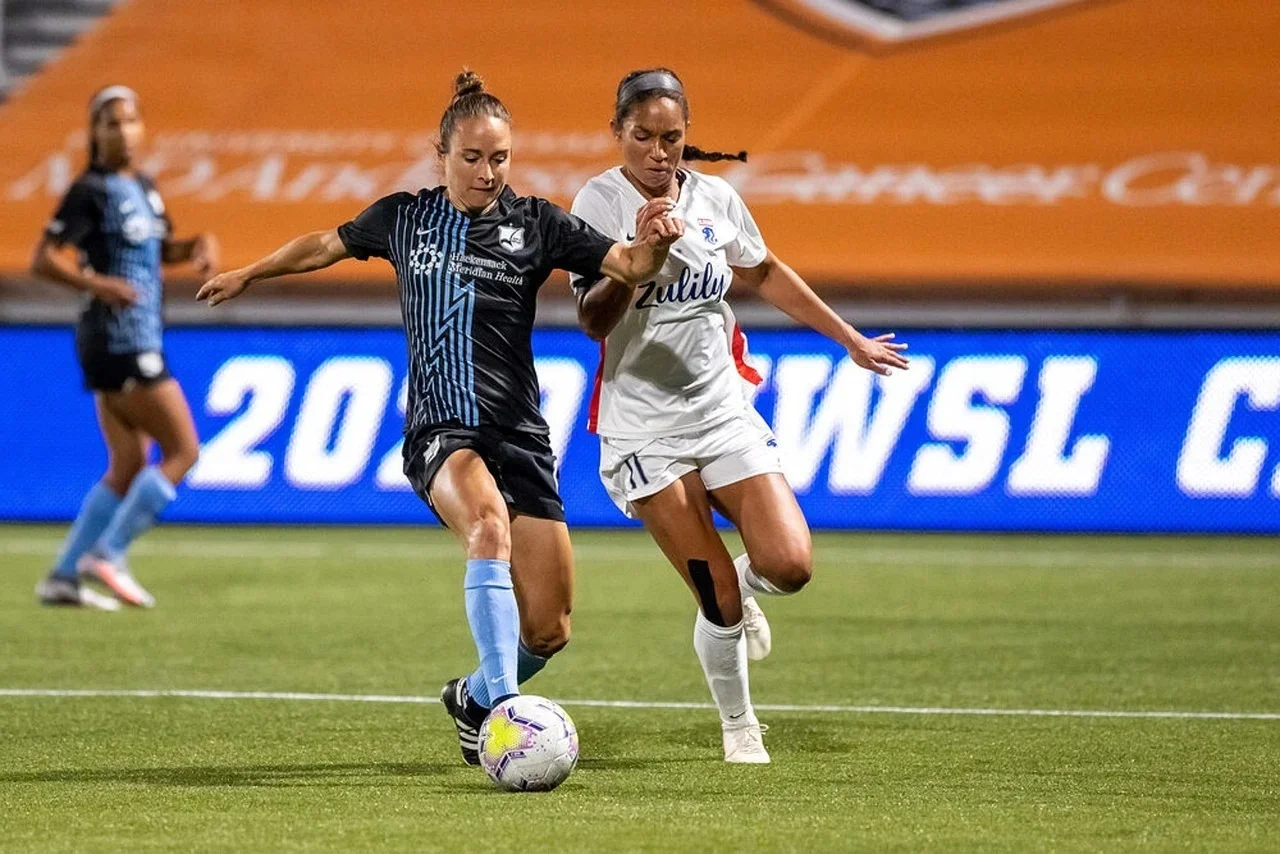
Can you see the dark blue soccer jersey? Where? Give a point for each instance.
(119, 224)
(468, 295)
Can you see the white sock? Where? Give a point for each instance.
(750, 583)
(723, 654)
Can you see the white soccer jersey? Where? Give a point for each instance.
(674, 363)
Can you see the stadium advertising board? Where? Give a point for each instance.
(1031, 142)
(994, 430)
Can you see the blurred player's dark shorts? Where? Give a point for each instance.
(105, 371)
(522, 465)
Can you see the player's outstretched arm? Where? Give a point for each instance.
(602, 305)
(783, 288)
(633, 263)
(313, 251)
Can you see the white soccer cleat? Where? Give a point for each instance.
(755, 627)
(115, 578)
(67, 591)
(745, 745)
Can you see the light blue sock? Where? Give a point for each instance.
(96, 510)
(148, 495)
(495, 628)
(528, 665)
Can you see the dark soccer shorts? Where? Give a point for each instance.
(105, 371)
(521, 463)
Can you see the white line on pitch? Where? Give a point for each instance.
(644, 704)
(996, 556)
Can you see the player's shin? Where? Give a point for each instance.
(495, 627)
(96, 512)
(149, 494)
(722, 652)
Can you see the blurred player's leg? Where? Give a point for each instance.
(126, 455)
(159, 411)
(679, 519)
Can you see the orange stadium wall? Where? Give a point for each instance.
(1015, 142)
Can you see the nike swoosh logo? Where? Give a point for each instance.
(735, 717)
(426, 231)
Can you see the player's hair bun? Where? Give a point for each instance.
(467, 83)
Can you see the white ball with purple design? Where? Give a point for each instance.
(528, 744)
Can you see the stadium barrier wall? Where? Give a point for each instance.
(988, 148)
(989, 430)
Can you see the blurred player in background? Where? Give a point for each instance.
(678, 435)
(469, 258)
(109, 238)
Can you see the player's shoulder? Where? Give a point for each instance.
(710, 186)
(604, 191)
(390, 205)
(89, 182)
(404, 197)
(147, 182)
(530, 207)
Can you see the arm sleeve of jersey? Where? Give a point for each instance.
(369, 234)
(747, 249)
(78, 216)
(150, 187)
(572, 244)
(591, 207)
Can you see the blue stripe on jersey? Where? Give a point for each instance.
(134, 248)
(438, 310)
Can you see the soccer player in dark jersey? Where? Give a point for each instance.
(469, 258)
(109, 238)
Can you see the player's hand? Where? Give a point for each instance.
(206, 254)
(650, 210)
(114, 291)
(662, 231)
(878, 354)
(223, 287)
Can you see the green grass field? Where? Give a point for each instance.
(913, 622)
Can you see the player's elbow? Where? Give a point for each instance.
(595, 329)
(40, 263)
(592, 320)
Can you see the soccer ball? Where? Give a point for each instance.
(528, 744)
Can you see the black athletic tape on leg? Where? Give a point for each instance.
(700, 574)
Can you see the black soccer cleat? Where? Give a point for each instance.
(467, 716)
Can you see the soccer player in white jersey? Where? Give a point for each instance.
(678, 434)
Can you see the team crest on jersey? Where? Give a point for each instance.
(137, 227)
(150, 364)
(890, 22)
(707, 227)
(511, 237)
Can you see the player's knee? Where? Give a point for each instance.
(550, 637)
(789, 567)
(489, 535)
(180, 459)
(120, 474)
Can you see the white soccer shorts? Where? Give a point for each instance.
(729, 452)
